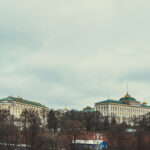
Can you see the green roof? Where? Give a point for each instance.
(21, 100)
(89, 110)
(143, 105)
(128, 99)
(111, 101)
(119, 102)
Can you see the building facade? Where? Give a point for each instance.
(124, 110)
(91, 140)
(16, 105)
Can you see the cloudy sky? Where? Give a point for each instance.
(74, 52)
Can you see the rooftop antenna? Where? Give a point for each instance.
(127, 87)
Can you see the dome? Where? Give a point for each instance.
(127, 95)
(128, 98)
(144, 102)
(65, 109)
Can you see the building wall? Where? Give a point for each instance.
(121, 111)
(16, 108)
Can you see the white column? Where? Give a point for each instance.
(109, 109)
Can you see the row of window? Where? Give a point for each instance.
(17, 107)
(122, 109)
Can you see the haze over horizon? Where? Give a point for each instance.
(74, 53)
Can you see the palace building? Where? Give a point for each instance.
(124, 109)
(16, 105)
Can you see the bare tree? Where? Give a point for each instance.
(71, 131)
(8, 131)
(52, 121)
(30, 127)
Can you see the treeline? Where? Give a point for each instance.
(25, 133)
(133, 136)
(53, 130)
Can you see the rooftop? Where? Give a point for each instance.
(20, 100)
(128, 98)
(111, 101)
(125, 100)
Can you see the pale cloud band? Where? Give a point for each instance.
(74, 52)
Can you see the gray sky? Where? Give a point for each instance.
(74, 52)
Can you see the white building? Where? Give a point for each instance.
(124, 109)
(16, 105)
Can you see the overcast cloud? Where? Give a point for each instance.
(74, 52)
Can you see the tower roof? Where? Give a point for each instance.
(127, 95)
(128, 98)
(144, 102)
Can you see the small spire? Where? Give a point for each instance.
(127, 87)
(127, 95)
